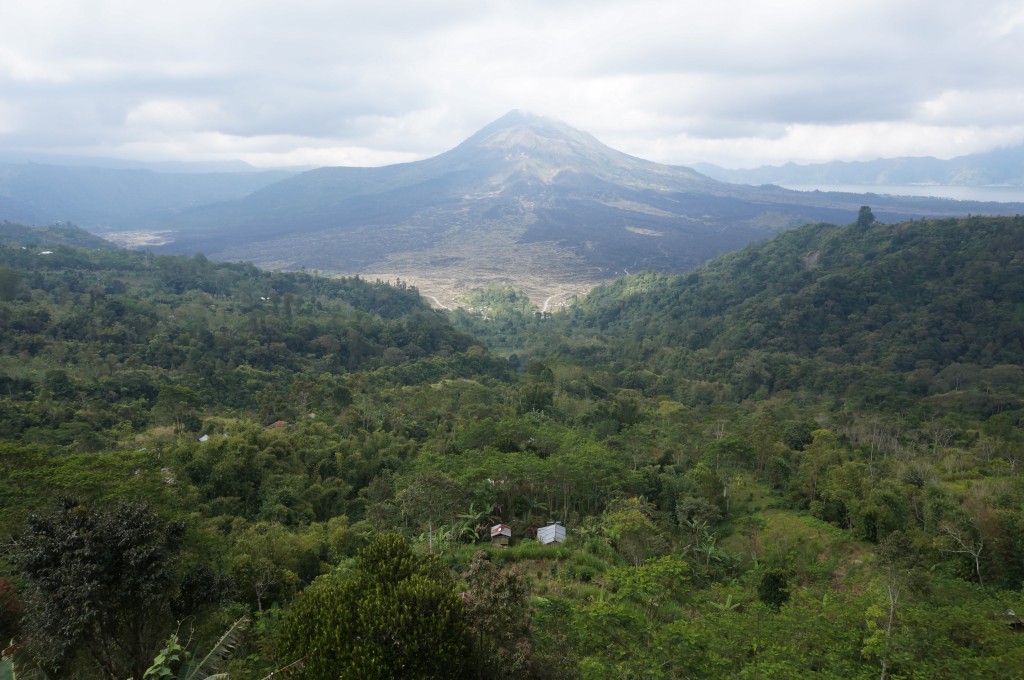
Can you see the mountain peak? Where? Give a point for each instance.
(520, 117)
(528, 144)
(525, 200)
(521, 129)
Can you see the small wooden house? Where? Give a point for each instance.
(552, 533)
(501, 534)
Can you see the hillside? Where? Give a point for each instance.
(934, 303)
(803, 459)
(12, 233)
(527, 201)
(943, 291)
(136, 340)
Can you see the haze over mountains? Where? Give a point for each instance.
(526, 200)
(107, 199)
(1001, 167)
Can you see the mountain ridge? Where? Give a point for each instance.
(107, 199)
(874, 313)
(999, 167)
(527, 201)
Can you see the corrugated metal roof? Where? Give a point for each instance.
(552, 533)
(501, 530)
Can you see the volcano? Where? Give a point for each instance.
(527, 201)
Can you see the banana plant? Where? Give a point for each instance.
(726, 606)
(475, 522)
(175, 656)
(13, 667)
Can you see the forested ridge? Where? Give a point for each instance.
(804, 457)
(870, 313)
(923, 293)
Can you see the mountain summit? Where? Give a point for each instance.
(525, 145)
(526, 200)
(521, 134)
(520, 131)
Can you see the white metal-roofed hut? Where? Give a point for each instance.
(552, 533)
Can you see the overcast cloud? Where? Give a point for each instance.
(329, 82)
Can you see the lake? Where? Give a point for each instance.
(960, 193)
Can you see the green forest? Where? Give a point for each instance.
(804, 458)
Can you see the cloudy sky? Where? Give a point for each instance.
(335, 82)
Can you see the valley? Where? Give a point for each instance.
(309, 408)
(512, 341)
(526, 201)
(746, 459)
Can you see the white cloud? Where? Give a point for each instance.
(819, 143)
(733, 82)
(164, 114)
(989, 108)
(268, 150)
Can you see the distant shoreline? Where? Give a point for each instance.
(999, 194)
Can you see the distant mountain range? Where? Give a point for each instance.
(1002, 167)
(8, 158)
(526, 200)
(107, 198)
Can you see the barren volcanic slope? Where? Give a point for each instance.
(526, 200)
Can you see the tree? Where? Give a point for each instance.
(498, 615)
(9, 283)
(773, 588)
(10, 611)
(395, 614)
(632, 531)
(100, 584)
(817, 459)
(652, 584)
(965, 538)
(268, 560)
(865, 217)
(896, 557)
(708, 485)
(177, 404)
(430, 498)
(764, 438)
(844, 493)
